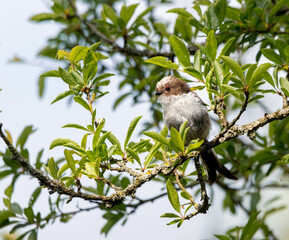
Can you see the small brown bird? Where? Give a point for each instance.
(180, 104)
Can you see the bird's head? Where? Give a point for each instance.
(170, 86)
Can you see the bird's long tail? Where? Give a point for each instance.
(212, 164)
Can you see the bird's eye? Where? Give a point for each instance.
(168, 88)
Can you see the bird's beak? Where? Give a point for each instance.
(158, 93)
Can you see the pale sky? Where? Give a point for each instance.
(21, 106)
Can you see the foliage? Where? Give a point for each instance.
(96, 169)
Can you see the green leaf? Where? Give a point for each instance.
(69, 160)
(185, 195)
(110, 13)
(8, 191)
(97, 132)
(62, 95)
(101, 140)
(222, 237)
(63, 168)
(22, 139)
(182, 129)
(82, 102)
(196, 23)
(163, 62)
(211, 45)
(34, 196)
(255, 98)
(281, 46)
(77, 126)
(93, 57)
(51, 73)
(286, 52)
(41, 86)
(91, 168)
(284, 85)
(174, 221)
(158, 137)
(170, 215)
(193, 72)
(180, 50)
(66, 143)
(52, 168)
(218, 73)
(133, 155)
(62, 54)
(102, 76)
(234, 66)
(176, 141)
(204, 51)
(225, 49)
(66, 77)
(250, 71)
(180, 11)
(16, 208)
(114, 141)
(94, 46)
(5, 215)
(120, 99)
(267, 76)
(233, 91)
(32, 235)
(194, 145)
(197, 61)
(258, 73)
(140, 17)
(89, 71)
(131, 129)
(42, 17)
(251, 227)
(152, 153)
(127, 12)
(173, 196)
(272, 56)
(78, 53)
(138, 147)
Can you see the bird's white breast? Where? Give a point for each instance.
(186, 107)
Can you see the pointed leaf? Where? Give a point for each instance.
(78, 53)
(51, 73)
(258, 73)
(176, 141)
(193, 72)
(134, 155)
(73, 125)
(131, 129)
(170, 215)
(180, 11)
(152, 153)
(234, 66)
(284, 85)
(180, 50)
(225, 49)
(211, 45)
(272, 56)
(158, 137)
(82, 102)
(52, 168)
(69, 160)
(62, 95)
(173, 196)
(163, 62)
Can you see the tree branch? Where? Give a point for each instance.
(126, 50)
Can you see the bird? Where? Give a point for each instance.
(181, 104)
